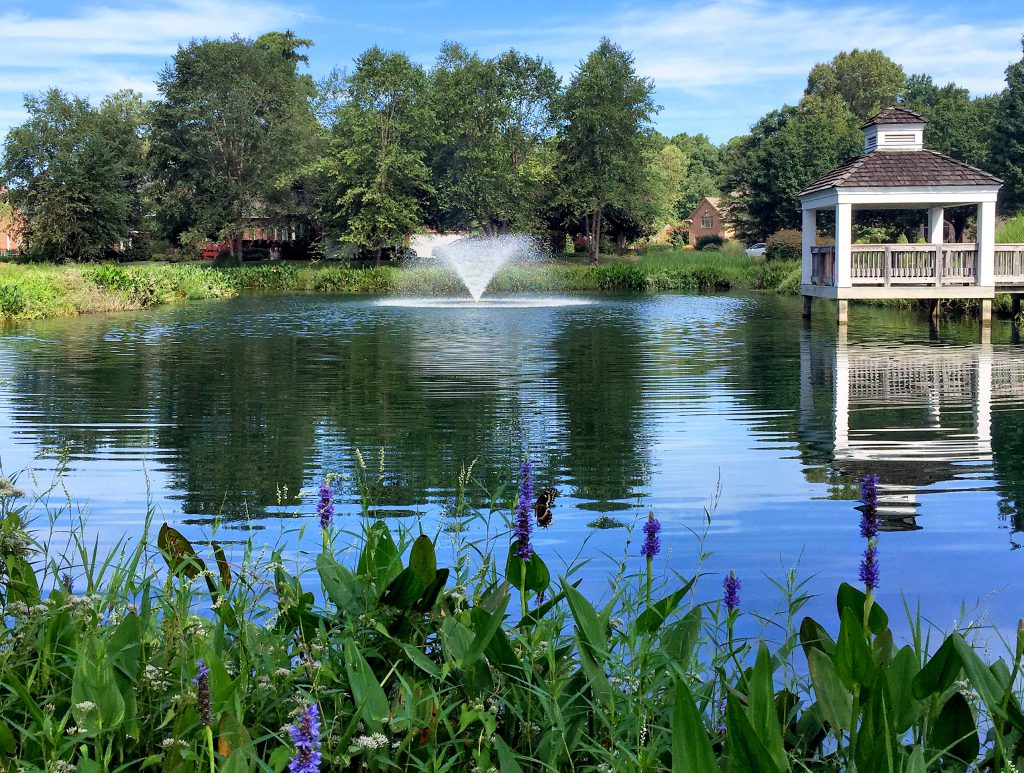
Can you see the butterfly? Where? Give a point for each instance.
(542, 507)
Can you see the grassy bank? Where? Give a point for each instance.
(31, 291)
(176, 656)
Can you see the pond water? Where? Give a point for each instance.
(225, 409)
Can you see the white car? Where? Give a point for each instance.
(755, 250)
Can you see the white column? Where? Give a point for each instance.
(844, 239)
(983, 394)
(936, 221)
(986, 244)
(841, 398)
(809, 231)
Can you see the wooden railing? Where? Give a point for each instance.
(1009, 266)
(823, 264)
(941, 265)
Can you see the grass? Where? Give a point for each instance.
(1012, 231)
(164, 654)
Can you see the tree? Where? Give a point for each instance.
(866, 81)
(231, 133)
(606, 114)
(1008, 138)
(74, 174)
(786, 150)
(703, 170)
(494, 118)
(379, 140)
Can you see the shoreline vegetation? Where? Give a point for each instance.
(45, 290)
(367, 653)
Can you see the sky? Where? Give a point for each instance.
(718, 65)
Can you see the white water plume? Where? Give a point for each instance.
(476, 259)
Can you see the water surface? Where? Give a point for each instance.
(228, 409)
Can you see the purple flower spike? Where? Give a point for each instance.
(869, 570)
(652, 542)
(869, 573)
(202, 682)
(523, 526)
(732, 587)
(305, 734)
(325, 507)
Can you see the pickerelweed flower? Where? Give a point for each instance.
(325, 507)
(523, 526)
(202, 682)
(305, 733)
(652, 542)
(869, 571)
(731, 597)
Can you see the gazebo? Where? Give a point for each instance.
(896, 172)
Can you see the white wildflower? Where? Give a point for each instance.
(85, 706)
(370, 742)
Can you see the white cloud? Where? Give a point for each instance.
(104, 48)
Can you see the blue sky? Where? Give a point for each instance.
(718, 64)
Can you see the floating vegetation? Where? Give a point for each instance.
(606, 522)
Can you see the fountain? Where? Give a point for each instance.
(476, 259)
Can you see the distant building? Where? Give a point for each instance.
(10, 240)
(708, 220)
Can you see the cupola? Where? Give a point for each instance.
(895, 128)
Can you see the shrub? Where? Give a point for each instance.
(12, 301)
(704, 241)
(786, 244)
(621, 276)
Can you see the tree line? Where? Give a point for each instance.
(242, 136)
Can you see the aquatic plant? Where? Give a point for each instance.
(325, 505)
(869, 573)
(731, 595)
(305, 735)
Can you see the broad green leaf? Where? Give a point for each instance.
(900, 676)
(380, 560)
(484, 626)
(403, 590)
(367, 693)
(506, 758)
(853, 658)
(7, 744)
(423, 560)
(834, 701)
(421, 660)
(954, 732)
(222, 564)
(428, 599)
(761, 707)
(939, 672)
(679, 639)
(588, 622)
(691, 747)
(813, 636)
(747, 752)
(178, 552)
(22, 584)
(916, 763)
(854, 599)
(341, 586)
(532, 575)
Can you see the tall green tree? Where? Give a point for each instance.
(866, 81)
(494, 119)
(703, 170)
(232, 133)
(74, 174)
(1008, 139)
(786, 150)
(378, 153)
(605, 113)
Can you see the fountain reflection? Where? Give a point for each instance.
(919, 415)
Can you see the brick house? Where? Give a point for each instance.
(10, 241)
(707, 220)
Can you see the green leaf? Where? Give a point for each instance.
(955, 732)
(341, 586)
(524, 576)
(854, 599)
(679, 639)
(428, 599)
(423, 560)
(367, 693)
(938, 673)
(591, 629)
(651, 619)
(22, 584)
(761, 706)
(506, 758)
(380, 560)
(916, 763)
(484, 626)
(814, 636)
(179, 554)
(900, 677)
(691, 747)
(222, 564)
(416, 655)
(7, 744)
(853, 657)
(403, 590)
(747, 752)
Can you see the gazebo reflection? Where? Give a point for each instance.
(917, 415)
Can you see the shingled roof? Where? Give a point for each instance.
(894, 115)
(892, 169)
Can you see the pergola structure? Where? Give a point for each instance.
(896, 172)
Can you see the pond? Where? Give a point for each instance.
(228, 409)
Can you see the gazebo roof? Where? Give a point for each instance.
(901, 169)
(895, 115)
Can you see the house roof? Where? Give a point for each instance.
(900, 169)
(714, 201)
(894, 115)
